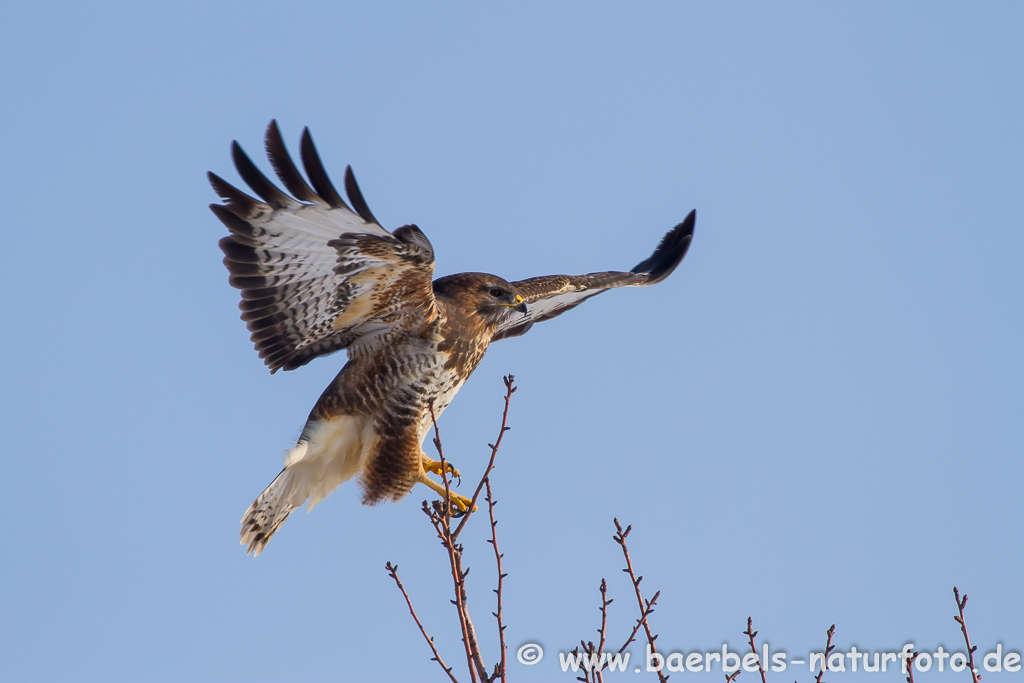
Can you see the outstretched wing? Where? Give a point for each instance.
(317, 276)
(551, 295)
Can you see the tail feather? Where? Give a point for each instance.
(268, 512)
(329, 453)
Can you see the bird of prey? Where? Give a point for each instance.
(318, 274)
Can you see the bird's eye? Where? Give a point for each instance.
(495, 292)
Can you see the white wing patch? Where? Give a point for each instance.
(316, 274)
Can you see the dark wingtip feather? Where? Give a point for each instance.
(317, 175)
(285, 168)
(356, 197)
(241, 230)
(670, 251)
(237, 201)
(255, 179)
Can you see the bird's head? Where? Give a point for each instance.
(493, 299)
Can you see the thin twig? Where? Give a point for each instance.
(499, 671)
(636, 628)
(750, 633)
(575, 652)
(604, 614)
(590, 649)
(960, 604)
(478, 658)
(645, 609)
(440, 516)
(910, 666)
(731, 678)
(828, 650)
(639, 622)
(442, 523)
(392, 570)
(510, 389)
(444, 464)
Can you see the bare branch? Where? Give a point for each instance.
(436, 513)
(645, 608)
(575, 652)
(499, 670)
(590, 649)
(750, 633)
(510, 389)
(392, 570)
(910, 666)
(440, 515)
(960, 604)
(828, 650)
(444, 464)
(604, 614)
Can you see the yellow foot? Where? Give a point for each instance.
(460, 504)
(434, 467)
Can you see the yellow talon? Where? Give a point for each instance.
(460, 504)
(434, 467)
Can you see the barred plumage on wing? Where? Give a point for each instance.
(549, 296)
(303, 265)
(319, 274)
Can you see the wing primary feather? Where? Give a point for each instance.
(552, 295)
(285, 168)
(356, 197)
(241, 231)
(317, 175)
(255, 179)
(241, 204)
(238, 252)
(670, 251)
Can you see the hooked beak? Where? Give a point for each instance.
(518, 304)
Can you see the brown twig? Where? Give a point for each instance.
(828, 650)
(439, 520)
(750, 633)
(575, 652)
(639, 622)
(440, 516)
(392, 570)
(960, 604)
(444, 463)
(604, 614)
(510, 389)
(499, 669)
(645, 608)
(590, 649)
(730, 678)
(910, 666)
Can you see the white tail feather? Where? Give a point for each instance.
(268, 512)
(330, 454)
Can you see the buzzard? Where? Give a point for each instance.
(318, 274)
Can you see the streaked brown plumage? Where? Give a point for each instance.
(317, 276)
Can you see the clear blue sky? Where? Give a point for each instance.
(819, 418)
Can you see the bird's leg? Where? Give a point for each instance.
(434, 467)
(459, 503)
